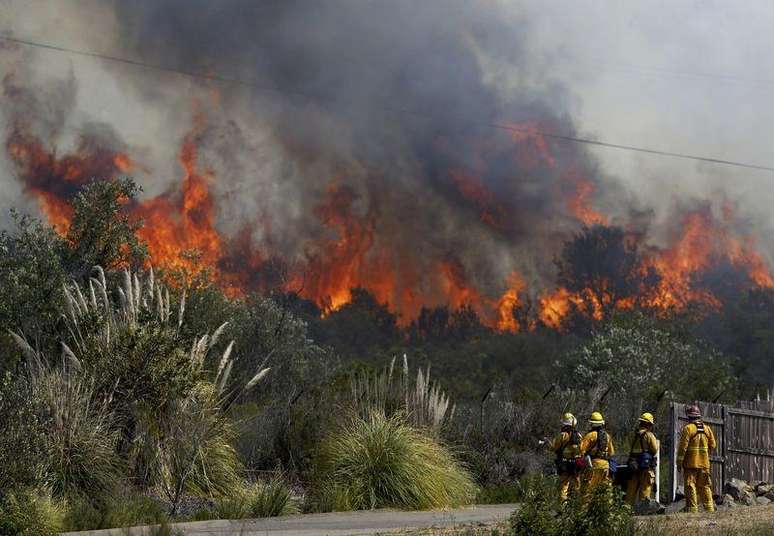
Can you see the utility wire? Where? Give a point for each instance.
(402, 111)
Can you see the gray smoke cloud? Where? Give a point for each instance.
(391, 102)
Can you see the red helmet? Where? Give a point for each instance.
(693, 411)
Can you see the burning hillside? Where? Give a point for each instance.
(363, 158)
(348, 254)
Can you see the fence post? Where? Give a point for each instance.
(673, 447)
(723, 414)
(658, 471)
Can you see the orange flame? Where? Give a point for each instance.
(579, 206)
(348, 253)
(174, 227)
(509, 301)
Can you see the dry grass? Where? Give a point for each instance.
(747, 521)
(742, 521)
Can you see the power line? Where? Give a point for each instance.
(402, 111)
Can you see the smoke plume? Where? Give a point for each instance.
(338, 145)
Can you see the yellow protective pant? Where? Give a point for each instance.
(568, 482)
(639, 486)
(698, 482)
(591, 479)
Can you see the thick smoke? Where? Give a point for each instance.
(390, 100)
(366, 121)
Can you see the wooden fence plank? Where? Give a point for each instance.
(745, 436)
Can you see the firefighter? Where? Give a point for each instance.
(566, 446)
(642, 461)
(693, 459)
(596, 445)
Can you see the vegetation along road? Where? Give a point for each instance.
(330, 524)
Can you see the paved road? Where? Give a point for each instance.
(335, 524)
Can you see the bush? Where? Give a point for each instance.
(29, 513)
(378, 461)
(22, 440)
(112, 512)
(269, 498)
(273, 498)
(606, 514)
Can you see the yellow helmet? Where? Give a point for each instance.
(647, 417)
(596, 419)
(568, 419)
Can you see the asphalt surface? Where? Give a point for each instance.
(333, 524)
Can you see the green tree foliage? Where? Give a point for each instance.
(745, 328)
(101, 232)
(361, 325)
(31, 280)
(638, 357)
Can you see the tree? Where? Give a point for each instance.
(604, 268)
(636, 357)
(361, 326)
(31, 280)
(745, 328)
(102, 233)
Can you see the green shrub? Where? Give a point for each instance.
(112, 512)
(379, 461)
(499, 494)
(29, 513)
(22, 439)
(606, 514)
(539, 513)
(273, 498)
(268, 498)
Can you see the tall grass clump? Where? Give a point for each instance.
(130, 403)
(80, 435)
(392, 390)
(271, 497)
(378, 461)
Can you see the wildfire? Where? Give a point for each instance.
(510, 300)
(347, 251)
(578, 202)
(175, 226)
(53, 180)
(471, 187)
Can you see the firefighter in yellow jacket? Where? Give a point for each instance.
(598, 445)
(642, 461)
(693, 459)
(566, 446)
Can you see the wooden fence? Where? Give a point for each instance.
(745, 437)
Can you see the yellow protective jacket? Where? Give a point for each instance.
(643, 438)
(599, 456)
(693, 450)
(568, 450)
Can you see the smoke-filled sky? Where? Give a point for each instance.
(391, 99)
